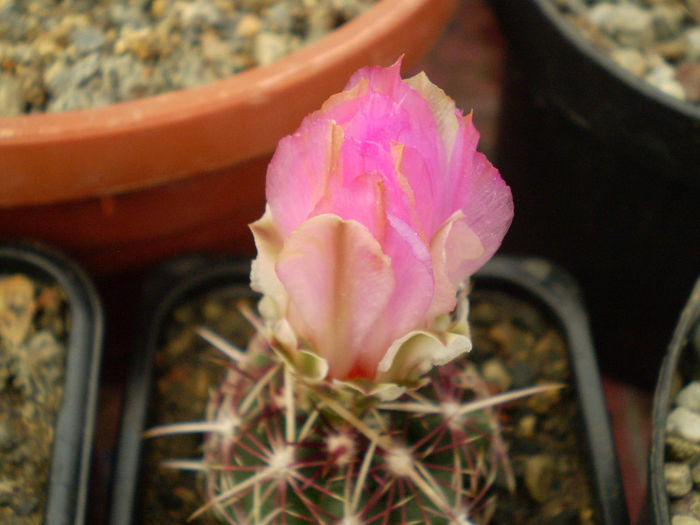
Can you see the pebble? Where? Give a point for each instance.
(678, 480)
(681, 449)
(684, 520)
(494, 371)
(72, 53)
(684, 423)
(689, 396)
(629, 24)
(10, 96)
(688, 505)
(631, 59)
(689, 77)
(268, 47)
(539, 475)
(17, 307)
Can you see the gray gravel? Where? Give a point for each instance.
(682, 451)
(76, 54)
(657, 40)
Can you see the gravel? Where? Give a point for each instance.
(656, 40)
(76, 54)
(682, 450)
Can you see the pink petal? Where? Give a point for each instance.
(298, 174)
(409, 301)
(485, 199)
(454, 251)
(339, 282)
(361, 199)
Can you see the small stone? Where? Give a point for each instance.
(667, 20)
(10, 96)
(140, 42)
(526, 426)
(673, 50)
(268, 47)
(87, 39)
(662, 77)
(17, 308)
(689, 396)
(85, 69)
(684, 423)
(494, 371)
(629, 24)
(687, 505)
(8, 490)
(198, 14)
(32, 85)
(214, 49)
(681, 449)
(678, 480)
(539, 475)
(688, 76)
(248, 26)
(125, 77)
(692, 37)
(279, 17)
(159, 8)
(630, 59)
(684, 520)
(543, 402)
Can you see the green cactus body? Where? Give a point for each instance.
(290, 451)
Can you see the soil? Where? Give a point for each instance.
(33, 333)
(515, 345)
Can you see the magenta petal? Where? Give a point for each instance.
(339, 282)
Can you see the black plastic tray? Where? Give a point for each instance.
(534, 279)
(73, 439)
(681, 362)
(606, 174)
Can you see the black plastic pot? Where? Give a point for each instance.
(69, 471)
(605, 173)
(532, 279)
(681, 365)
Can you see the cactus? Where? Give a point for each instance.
(283, 449)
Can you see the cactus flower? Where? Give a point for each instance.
(379, 207)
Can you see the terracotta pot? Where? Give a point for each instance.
(130, 183)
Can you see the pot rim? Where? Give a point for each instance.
(69, 472)
(124, 146)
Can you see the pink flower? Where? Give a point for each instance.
(379, 207)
